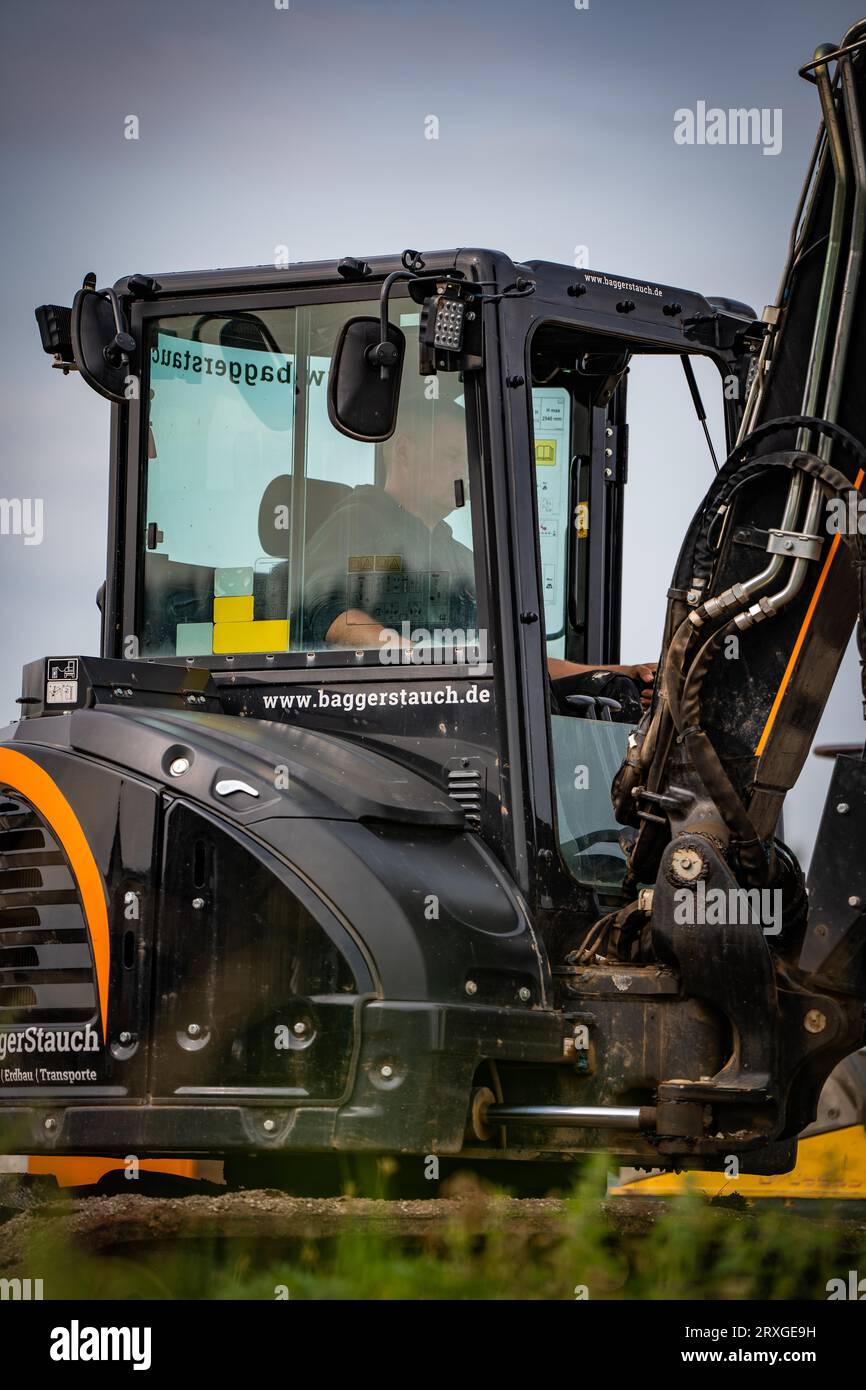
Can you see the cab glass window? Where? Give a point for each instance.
(605, 504)
(268, 531)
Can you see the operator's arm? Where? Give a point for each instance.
(643, 674)
(355, 628)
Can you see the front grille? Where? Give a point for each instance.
(20, 997)
(46, 966)
(18, 957)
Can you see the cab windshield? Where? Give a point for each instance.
(268, 531)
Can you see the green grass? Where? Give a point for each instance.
(694, 1249)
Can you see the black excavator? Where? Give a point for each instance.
(320, 856)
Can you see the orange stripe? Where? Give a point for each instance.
(24, 775)
(801, 635)
(86, 1172)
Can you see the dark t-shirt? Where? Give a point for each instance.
(373, 555)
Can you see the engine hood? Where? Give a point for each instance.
(284, 772)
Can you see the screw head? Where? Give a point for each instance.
(269, 1125)
(386, 1071)
(179, 766)
(50, 1123)
(854, 901)
(125, 1038)
(471, 987)
(194, 1030)
(843, 808)
(524, 994)
(299, 1029)
(198, 904)
(815, 1021)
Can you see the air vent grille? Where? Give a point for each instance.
(46, 966)
(465, 785)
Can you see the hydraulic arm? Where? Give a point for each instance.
(768, 586)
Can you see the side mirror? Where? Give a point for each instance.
(364, 385)
(101, 343)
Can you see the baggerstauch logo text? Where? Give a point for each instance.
(42, 1041)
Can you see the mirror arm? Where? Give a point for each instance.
(384, 355)
(120, 349)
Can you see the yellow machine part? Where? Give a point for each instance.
(831, 1166)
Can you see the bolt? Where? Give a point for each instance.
(50, 1123)
(299, 1029)
(608, 453)
(815, 1021)
(854, 901)
(198, 904)
(789, 545)
(125, 1038)
(524, 994)
(269, 1125)
(843, 808)
(179, 767)
(608, 472)
(608, 433)
(471, 987)
(386, 1071)
(194, 1030)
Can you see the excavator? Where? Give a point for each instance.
(356, 839)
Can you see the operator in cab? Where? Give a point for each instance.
(386, 564)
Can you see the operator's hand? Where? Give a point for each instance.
(643, 676)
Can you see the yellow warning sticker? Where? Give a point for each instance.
(234, 610)
(545, 453)
(236, 639)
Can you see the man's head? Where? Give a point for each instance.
(427, 454)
